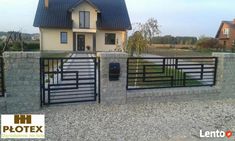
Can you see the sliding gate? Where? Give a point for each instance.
(69, 80)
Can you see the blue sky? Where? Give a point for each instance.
(175, 17)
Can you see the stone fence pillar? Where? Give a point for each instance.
(113, 92)
(22, 81)
(226, 74)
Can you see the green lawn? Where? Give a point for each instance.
(170, 52)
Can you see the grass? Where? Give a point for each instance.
(182, 52)
(153, 75)
(171, 52)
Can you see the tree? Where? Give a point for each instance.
(208, 43)
(136, 43)
(150, 29)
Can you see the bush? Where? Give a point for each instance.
(16, 46)
(233, 48)
(31, 47)
(208, 43)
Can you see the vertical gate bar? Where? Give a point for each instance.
(176, 71)
(43, 81)
(40, 81)
(57, 70)
(215, 70)
(49, 94)
(48, 72)
(61, 69)
(144, 67)
(202, 70)
(95, 91)
(164, 63)
(184, 79)
(99, 79)
(127, 76)
(171, 74)
(77, 79)
(3, 80)
(53, 67)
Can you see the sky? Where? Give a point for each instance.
(175, 17)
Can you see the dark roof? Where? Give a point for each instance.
(113, 14)
(229, 23)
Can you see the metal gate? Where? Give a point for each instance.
(2, 87)
(69, 80)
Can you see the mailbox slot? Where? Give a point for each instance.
(114, 71)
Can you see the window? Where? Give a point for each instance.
(84, 19)
(225, 43)
(226, 31)
(63, 38)
(110, 38)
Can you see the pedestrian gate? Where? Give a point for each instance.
(69, 80)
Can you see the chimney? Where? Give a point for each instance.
(46, 2)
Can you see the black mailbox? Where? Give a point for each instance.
(114, 71)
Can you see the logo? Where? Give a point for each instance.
(216, 134)
(23, 126)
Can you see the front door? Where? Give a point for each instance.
(80, 42)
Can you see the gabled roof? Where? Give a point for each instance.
(113, 14)
(80, 2)
(229, 23)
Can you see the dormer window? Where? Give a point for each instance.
(84, 19)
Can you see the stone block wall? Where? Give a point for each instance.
(2, 105)
(226, 74)
(113, 92)
(22, 81)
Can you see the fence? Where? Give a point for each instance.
(68, 80)
(152, 73)
(2, 88)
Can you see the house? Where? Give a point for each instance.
(226, 33)
(82, 25)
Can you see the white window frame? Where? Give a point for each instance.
(226, 31)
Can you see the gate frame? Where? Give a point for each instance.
(2, 77)
(42, 79)
(174, 64)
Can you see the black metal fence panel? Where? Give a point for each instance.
(171, 72)
(69, 80)
(2, 87)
